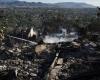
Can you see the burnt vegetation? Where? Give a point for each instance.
(24, 55)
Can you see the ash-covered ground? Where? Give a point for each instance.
(78, 59)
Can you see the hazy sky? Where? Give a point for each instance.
(93, 2)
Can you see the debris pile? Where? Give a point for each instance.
(73, 60)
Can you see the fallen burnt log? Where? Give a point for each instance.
(8, 75)
(31, 42)
(89, 75)
(94, 61)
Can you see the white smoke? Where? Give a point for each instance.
(32, 33)
(62, 37)
(50, 39)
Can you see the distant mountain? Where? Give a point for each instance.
(16, 3)
(8, 0)
(74, 5)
